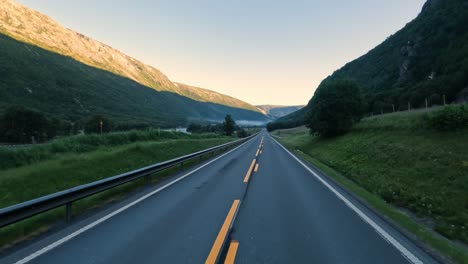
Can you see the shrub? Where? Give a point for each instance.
(23, 125)
(435, 99)
(448, 118)
(229, 125)
(336, 106)
(98, 124)
(242, 133)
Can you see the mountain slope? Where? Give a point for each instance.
(72, 77)
(69, 90)
(428, 58)
(34, 28)
(277, 111)
(204, 95)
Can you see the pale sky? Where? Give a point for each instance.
(260, 51)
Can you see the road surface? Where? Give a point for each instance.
(255, 204)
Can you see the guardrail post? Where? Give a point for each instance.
(68, 212)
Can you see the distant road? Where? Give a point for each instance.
(284, 212)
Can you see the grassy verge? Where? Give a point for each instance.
(11, 158)
(64, 171)
(414, 176)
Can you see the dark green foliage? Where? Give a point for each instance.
(380, 107)
(450, 118)
(217, 128)
(195, 128)
(335, 107)
(131, 126)
(435, 100)
(59, 86)
(242, 133)
(22, 125)
(98, 124)
(16, 157)
(434, 49)
(229, 125)
(429, 56)
(199, 128)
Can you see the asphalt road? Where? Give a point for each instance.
(255, 204)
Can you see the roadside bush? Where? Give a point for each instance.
(242, 133)
(435, 99)
(22, 125)
(195, 128)
(336, 106)
(448, 118)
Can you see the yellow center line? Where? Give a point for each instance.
(231, 255)
(256, 167)
(258, 150)
(247, 176)
(216, 249)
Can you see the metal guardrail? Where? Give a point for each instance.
(8, 145)
(18, 212)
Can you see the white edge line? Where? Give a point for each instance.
(97, 222)
(403, 250)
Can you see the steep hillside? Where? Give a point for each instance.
(277, 111)
(29, 26)
(428, 58)
(32, 27)
(69, 90)
(204, 95)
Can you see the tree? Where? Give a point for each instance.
(435, 99)
(22, 125)
(98, 124)
(336, 106)
(194, 128)
(229, 125)
(242, 133)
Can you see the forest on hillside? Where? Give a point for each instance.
(423, 64)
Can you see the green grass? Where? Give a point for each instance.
(70, 169)
(15, 157)
(393, 162)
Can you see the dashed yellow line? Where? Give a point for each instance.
(216, 249)
(247, 176)
(258, 151)
(232, 251)
(256, 167)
